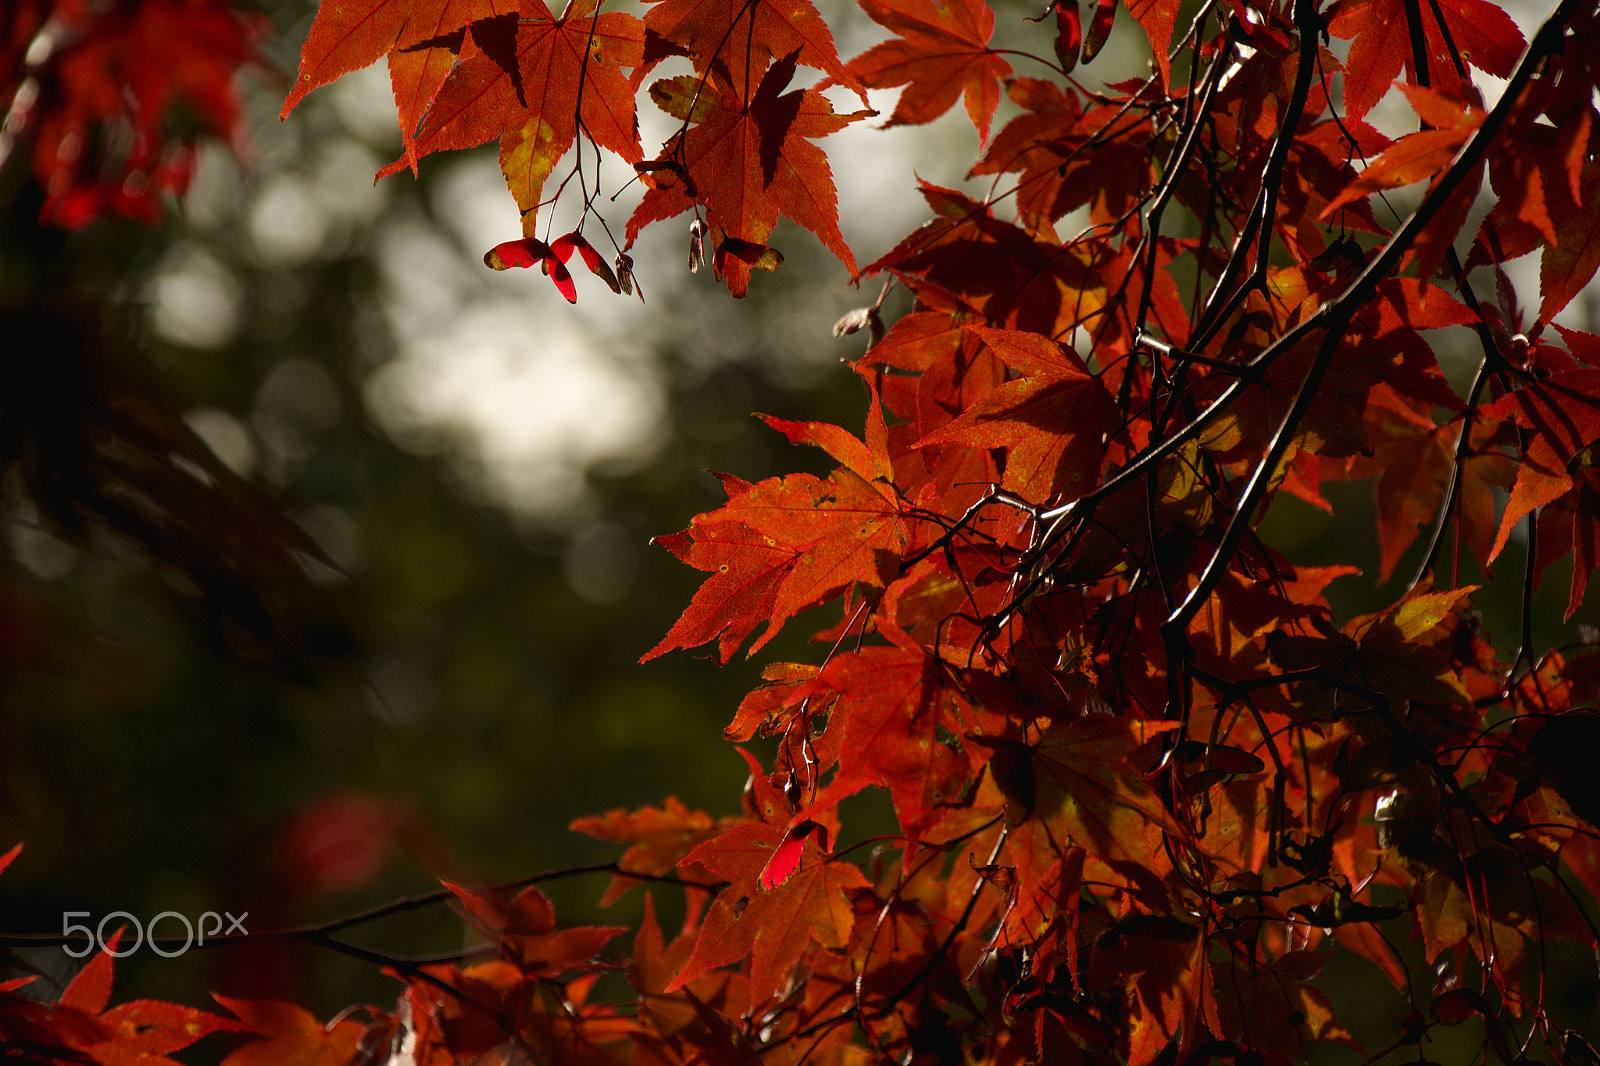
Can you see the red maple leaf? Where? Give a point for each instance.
(529, 80)
(1157, 18)
(524, 931)
(289, 1034)
(1013, 278)
(747, 569)
(743, 36)
(790, 543)
(1392, 653)
(415, 37)
(700, 1013)
(81, 1028)
(1053, 420)
(1565, 268)
(750, 159)
(657, 837)
(899, 716)
(1563, 411)
(1537, 210)
(1569, 524)
(1380, 47)
(941, 53)
(771, 926)
(1084, 783)
(1449, 122)
(1041, 145)
(1412, 458)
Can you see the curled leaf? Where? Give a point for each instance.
(1457, 1005)
(756, 256)
(675, 169)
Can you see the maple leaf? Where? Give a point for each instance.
(1066, 155)
(790, 543)
(1563, 411)
(349, 36)
(1029, 417)
(1157, 962)
(747, 570)
(1391, 654)
(898, 715)
(762, 710)
(1424, 154)
(82, 1026)
(697, 1014)
(1082, 783)
(1565, 268)
(940, 54)
(773, 927)
(1449, 913)
(523, 929)
(1380, 45)
(1157, 18)
(750, 159)
(1273, 1005)
(145, 1030)
(954, 368)
(1011, 278)
(289, 1035)
(530, 80)
(1042, 144)
(1569, 525)
(743, 37)
(1413, 457)
(657, 837)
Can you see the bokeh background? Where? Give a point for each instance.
(452, 675)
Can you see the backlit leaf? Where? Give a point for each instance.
(941, 52)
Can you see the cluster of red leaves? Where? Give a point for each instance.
(483, 70)
(1145, 783)
(113, 95)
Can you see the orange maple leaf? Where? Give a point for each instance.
(751, 160)
(773, 927)
(942, 53)
(524, 931)
(715, 31)
(530, 78)
(349, 36)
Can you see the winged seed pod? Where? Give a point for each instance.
(697, 246)
(855, 319)
(625, 278)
